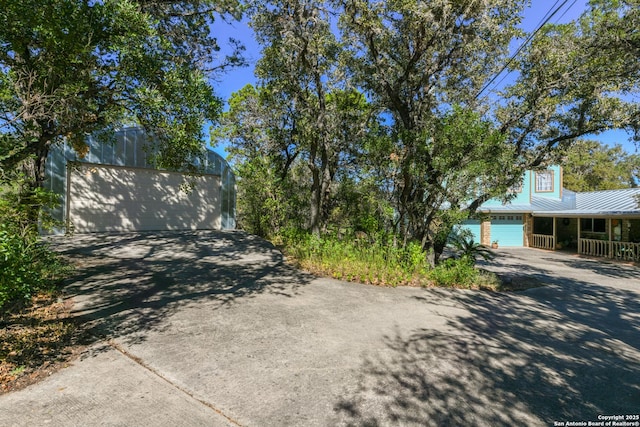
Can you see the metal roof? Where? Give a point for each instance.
(583, 213)
(507, 208)
(609, 200)
(567, 202)
(625, 202)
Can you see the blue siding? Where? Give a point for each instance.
(508, 230)
(528, 189)
(473, 225)
(522, 194)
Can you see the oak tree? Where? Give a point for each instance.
(72, 67)
(592, 166)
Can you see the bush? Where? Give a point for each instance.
(378, 260)
(462, 241)
(366, 259)
(458, 273)
(27, 265)
(461, 273)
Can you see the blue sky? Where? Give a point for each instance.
(238, 78)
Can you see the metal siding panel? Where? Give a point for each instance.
(140, 153)
(127, 150)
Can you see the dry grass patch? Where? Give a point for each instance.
(37, 341)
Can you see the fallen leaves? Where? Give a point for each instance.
(36, 342)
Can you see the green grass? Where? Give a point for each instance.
(461, 273)
(378, 261)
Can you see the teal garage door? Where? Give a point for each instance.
(473, 225)
(508, 230)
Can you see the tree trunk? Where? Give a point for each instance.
(316, 202)
(34, 169)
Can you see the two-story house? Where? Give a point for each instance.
(542, 214)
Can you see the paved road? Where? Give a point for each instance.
(213, 328)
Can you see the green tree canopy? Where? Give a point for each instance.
(300, 72)
(72, 67)
(438, 138)
(416, 60)
(592, 166)
(573, 80)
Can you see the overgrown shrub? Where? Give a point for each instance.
(461, 273)
(367, 259)
(27, 265)
(379, 260)
(457, 273)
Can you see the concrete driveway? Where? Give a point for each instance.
(213, 328)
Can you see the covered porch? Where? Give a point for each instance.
(607, 236)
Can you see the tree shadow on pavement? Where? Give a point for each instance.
(127, 285)
(550, 354)
(604, 267)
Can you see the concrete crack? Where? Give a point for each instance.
(140, 362)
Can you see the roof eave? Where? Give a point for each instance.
(586, 214)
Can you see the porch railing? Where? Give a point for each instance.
(617, 250)
(543, 241)
(626, 251)
(593, 247)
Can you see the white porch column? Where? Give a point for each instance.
(579, 236)
(610, 233)
(553, 242)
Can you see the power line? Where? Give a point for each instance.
(527, 41)
(546, 15)
(566, 10)
(539, 24)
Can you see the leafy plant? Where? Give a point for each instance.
(27, 265)
(376, 260)
(462, 241)
(461, 273)
(458, 273)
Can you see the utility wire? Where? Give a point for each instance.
(540, 23)
(522, 46)
(566, 10)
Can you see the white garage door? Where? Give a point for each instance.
(112, 198)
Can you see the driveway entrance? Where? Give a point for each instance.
(214, 328)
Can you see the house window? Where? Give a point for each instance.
(544, 182)
(594, 225)
(516, 188)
